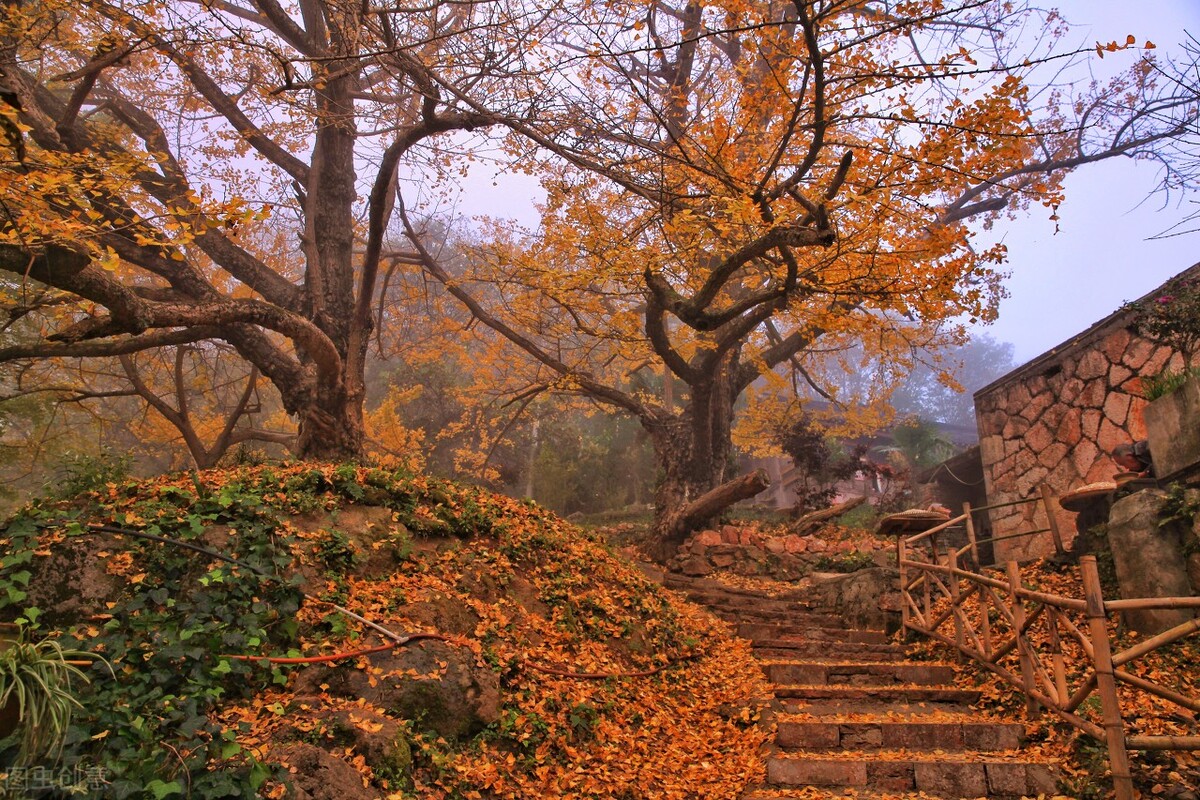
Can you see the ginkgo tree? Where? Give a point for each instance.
(143, 146)
(732, 185)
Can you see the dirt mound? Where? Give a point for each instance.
(541, 663)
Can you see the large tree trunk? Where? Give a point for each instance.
(331, 427)
(331, 419)
(693, 452)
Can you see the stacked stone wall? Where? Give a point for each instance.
(779, 555)
(1056, 420)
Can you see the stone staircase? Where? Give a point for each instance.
(855, 718)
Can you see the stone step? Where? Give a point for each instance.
(825, 793)
(857, 673)
(687, 583)
(725, 599)
(777, 649)
(756, 631)
(795, 620)
(952, 735)
(887, 694)
(936, 774)
(850, 709)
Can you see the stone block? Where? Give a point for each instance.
(695, 567)
(1137, 353)
(1111, 436)
(1006, 778)
(1053, 454)
(1173, 428)
(707, 538)
(1092, 365)
(1070, 427)
(1018, 398)
(815, 772)
(1054, 415)
(1101, 470)
(808, 735)
(991, 450)
(795, 544)
(951, 779)
(1027, 482)
(817, 545)
(1083, 456)
(1025, 460)
(1163, 356)
(1136, 424)
(1149, 560)
(1091, 423)
(775, 545)
(1116, 344)
(730, 534)
(1014, 428)
(722, 560)
(1093, 395)
(923, 735)
(1116, 409)
(991, 736)
(1070, 390)
(1039, 438)
(1037, 406)
(1118, 376)
(861, 735)
(1040, 780)
(891, 776)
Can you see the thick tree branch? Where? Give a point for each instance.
(113, 347)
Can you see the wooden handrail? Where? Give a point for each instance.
(941, 526)
(1006, 504)
(1163, 639)
(945, 598)
(1026, 594)
(1138, 603)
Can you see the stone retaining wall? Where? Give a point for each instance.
(749, 551)
(1055, 421)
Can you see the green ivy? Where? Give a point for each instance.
(149, 727)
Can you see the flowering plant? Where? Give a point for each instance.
(1172, 317)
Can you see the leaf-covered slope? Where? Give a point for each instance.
(558, 669)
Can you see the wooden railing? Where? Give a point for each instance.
(947, 597)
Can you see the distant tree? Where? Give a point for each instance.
(941, 386)
(920, 444)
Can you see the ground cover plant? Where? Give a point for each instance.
(541, 664)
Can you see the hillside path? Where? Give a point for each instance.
(855, 717)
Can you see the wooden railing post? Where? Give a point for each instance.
(1106, 684)
(1052, 519)
(985, 622)
(956, 603)
(1056, 651)
(1018, 614)
(905, 595)
(969, 523)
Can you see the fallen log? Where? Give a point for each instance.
(809, 523)
(675, 528)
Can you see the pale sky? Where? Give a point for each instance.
(1061, 282)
